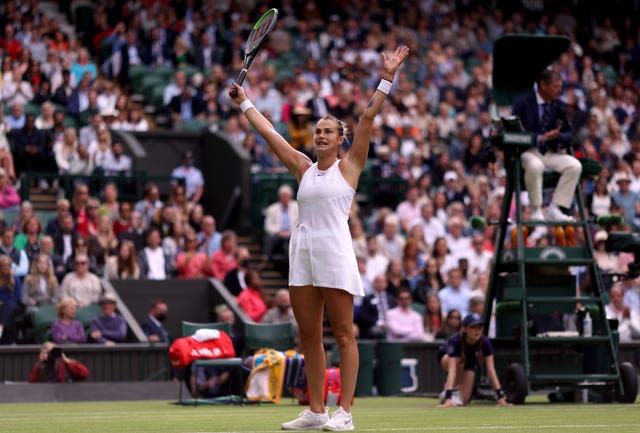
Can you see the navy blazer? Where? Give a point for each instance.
(368, 311)
(150, 328)
(526, 108)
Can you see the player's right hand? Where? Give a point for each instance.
(236, 93)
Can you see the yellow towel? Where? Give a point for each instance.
(267, 376)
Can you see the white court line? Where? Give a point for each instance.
(503, 427)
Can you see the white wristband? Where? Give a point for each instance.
(246, 104)
(384, 86)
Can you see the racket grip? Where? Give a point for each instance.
(241, 75)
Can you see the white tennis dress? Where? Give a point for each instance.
(320, 250)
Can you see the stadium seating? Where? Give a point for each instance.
(42, 318)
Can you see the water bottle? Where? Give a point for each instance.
(587, 330)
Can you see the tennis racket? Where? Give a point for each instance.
(258, 35)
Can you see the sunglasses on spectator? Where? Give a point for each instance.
(82, 263)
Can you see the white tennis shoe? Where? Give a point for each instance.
(555, 214)
(340, 421)
(307, 420)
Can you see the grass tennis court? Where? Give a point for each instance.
(391, 414)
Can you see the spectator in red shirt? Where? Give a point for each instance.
(123, 223)
(9, 43)
(79, 203)
(54, 366)
(250, 299)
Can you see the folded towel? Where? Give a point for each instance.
(206, 334)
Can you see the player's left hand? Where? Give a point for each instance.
(447, 403)
(391, 64)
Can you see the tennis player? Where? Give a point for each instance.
(323, 270)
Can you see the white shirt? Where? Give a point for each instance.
(155, 259)
(432, 229)
(113, 165)
(85, 290)
(68, 248)
(459, 247)
(408, 211)
(107, 101)
(629, 329)
(192, 177)
(376, 265)
(479, 263)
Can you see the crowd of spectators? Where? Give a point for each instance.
(430, 137)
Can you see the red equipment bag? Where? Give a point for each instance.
(183, 351)
(332, 389)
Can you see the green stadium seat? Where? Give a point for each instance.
(190, 70)
(166, 72)
(137, 73)
(278, 336)
(87, 313)
(190, 328)
(85, 117)
(45, 216)
(157, 97)
(418, 308)
(42, 318)
(193, 125)
(149, 83)
(9, 216)
(69, 122)
(32, 109)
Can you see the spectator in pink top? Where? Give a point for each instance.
(224, 259)
(191, 263)
(9, 198)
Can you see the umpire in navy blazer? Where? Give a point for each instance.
(543, 115)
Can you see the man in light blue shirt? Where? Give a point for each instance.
(16, 118)
(455, 296)
(208, 237)
(625, 198)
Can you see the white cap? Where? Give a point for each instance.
(450, 175)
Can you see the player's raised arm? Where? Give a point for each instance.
(357, 154)
(295, 161)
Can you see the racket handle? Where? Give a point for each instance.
(241, 75)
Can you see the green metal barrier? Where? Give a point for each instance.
(364, 383)
(389, 368)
